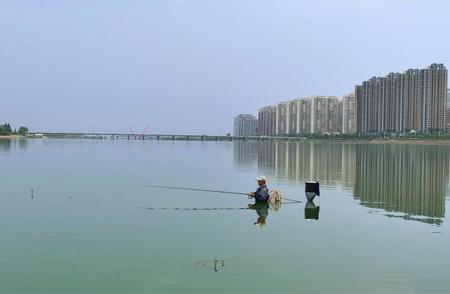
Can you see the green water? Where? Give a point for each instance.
(73, 220)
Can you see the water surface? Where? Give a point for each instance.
(76, 218)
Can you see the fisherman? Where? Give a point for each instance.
(262, 193)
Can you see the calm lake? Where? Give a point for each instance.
(76, 217)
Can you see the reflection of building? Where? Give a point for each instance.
(267, 117)
(297, 162)
(245, 155)
(245, 125)
(411, 179)
(348, 173)
(407, 178)
(266, 157)
(349, 114)
(401, 102)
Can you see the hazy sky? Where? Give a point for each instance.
(190, 66)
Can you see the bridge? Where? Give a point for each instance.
(171, 137)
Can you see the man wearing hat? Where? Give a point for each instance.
(262, 193)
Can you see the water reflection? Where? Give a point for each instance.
(7, 143)
(262, 210)
(311, 210)
(245, 154)
(408, 179)
(403, 178)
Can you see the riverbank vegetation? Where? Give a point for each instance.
(7, 130)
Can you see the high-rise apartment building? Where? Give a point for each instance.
(335, 115)
(293, 117)
(448, 99)
(304, 116)
(292, 121)
(245, 125)
(447, 117)
(267, 123)
(317, 114)
(402, 102)
(349, 114)
(326, 114)
(282, 118)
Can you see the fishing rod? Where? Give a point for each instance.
(210, 191)
(193, 208)
(194, 189)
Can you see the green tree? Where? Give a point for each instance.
(5, 129)
(22, 130)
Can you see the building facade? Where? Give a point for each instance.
(245, 125)
(447, 117)
(267, 121)
(316, 114)
(415, 100)
(292, 122)
(326, 114)
(304, 116)
(349, 114)
(282, 118)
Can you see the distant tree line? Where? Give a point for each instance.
(6, 130)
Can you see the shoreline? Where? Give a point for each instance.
(386, 141)
(422, 141)
(12, 137)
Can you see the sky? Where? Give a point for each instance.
(190, 66)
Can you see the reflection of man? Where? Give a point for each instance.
(262, 209)
(262, 193)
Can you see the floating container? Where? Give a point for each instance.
(312, 190)
(312, 187)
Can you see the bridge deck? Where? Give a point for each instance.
(181, 137)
